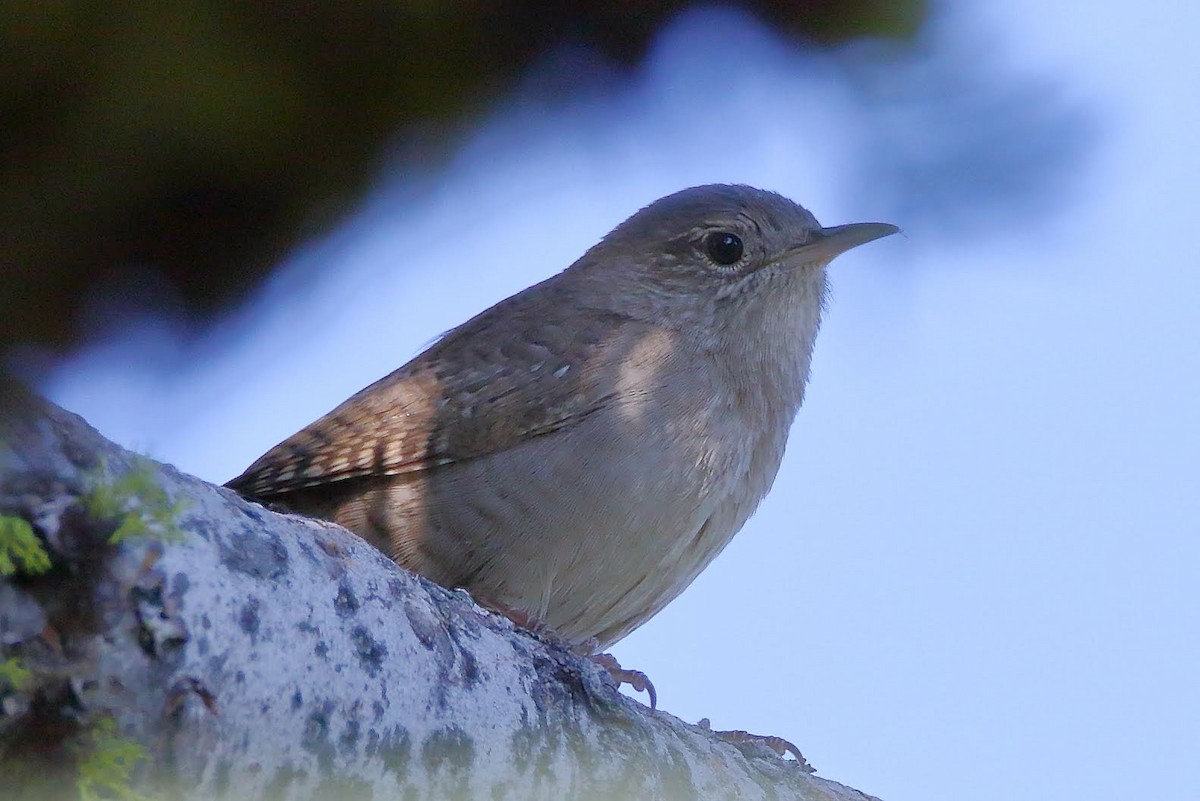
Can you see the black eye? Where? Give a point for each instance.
(724, 248)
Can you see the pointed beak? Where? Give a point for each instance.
(826, 243)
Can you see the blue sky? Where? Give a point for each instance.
(978, 574)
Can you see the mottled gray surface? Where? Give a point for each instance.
(269, 656)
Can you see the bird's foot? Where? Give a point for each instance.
(636, 679)
(523, 620)
(777, 744)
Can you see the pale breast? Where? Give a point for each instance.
(596, 526)
(594, 529)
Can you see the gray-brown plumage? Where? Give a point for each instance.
(579, 452)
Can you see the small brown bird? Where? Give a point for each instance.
(578, 453)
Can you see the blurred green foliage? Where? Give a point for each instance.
(105, 770)
(20, 549)
(14, 674)
(138, 504)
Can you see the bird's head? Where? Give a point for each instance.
(718, 256)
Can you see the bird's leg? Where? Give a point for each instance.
(776, 744)
(636, 679)
(521, 619)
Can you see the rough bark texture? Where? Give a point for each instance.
(258, 655)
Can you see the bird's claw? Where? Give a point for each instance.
(779, 745)
(636, 679)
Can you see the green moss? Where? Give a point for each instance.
(14, 674)
(138, 502)
(20, 548)
(108, 764)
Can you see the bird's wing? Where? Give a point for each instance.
(499, 379)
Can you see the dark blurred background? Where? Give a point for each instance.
(179, 149)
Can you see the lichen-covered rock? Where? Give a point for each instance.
(241, 653)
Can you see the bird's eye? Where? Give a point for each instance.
(724, 248)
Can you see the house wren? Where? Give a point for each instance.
(578, 453)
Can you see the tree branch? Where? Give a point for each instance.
(240, 653)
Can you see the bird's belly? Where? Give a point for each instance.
(594, 541)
